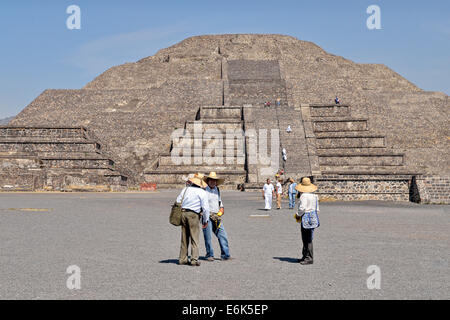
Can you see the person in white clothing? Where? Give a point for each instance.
(279, 193)
(194, 208)
(268, 192)
(308, 202)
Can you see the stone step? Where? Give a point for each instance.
(179, 186)
(345, 134)
(18, 155)
(329, 110)
(71, 155)
(232, 177)
(46, 146)
(23, 162)
(79, 163)
(339, 125)
(220, 125)
(366, 170)
(53, 132)
(202, 168)
(167, 160)
(220, 112)
(41, 139)
(333, 142)
(359, 152)
(207, 144)
(254, 186)
(360, 159)
(92, 171)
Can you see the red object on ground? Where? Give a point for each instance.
(148, 186)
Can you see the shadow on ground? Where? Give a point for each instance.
(287, 259)
(174, 261)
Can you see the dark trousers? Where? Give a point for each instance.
(307, 238)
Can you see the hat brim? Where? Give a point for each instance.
(219, 181)
(198, 182)
(302, 188)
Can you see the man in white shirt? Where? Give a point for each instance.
(215, 226)
(194, 206)
(268, 192)
(279, 193)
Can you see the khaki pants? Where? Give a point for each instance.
(278, 200)
(189, 233)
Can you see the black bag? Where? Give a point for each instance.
(175, 213)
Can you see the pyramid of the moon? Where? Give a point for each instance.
(387, 140)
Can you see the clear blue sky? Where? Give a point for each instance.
(39, 52)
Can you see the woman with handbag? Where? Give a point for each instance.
(308, 216)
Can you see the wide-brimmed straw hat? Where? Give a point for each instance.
(213, 175)
(197, 179)
(306, 186)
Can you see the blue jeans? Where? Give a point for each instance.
(292, 199)
(221, 235)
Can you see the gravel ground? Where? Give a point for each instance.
(126, 249)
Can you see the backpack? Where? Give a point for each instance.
(175, 213)
(310, 220)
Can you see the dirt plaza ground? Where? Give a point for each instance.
(126, 249)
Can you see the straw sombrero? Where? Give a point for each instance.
(213, 175)
(306, 186)
(197, 179)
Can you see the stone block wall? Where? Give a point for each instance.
(54, 158)
(434, 189)
(253, 69)
(363, 187)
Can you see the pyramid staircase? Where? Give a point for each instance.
(55, 158)
(197, 151)
(353, 163)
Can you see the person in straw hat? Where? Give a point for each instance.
(308, 203)
(215, 226)
(194, 207)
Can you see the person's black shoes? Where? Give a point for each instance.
(227, 259)
(305, 262)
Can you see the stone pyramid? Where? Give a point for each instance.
(386, 139)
